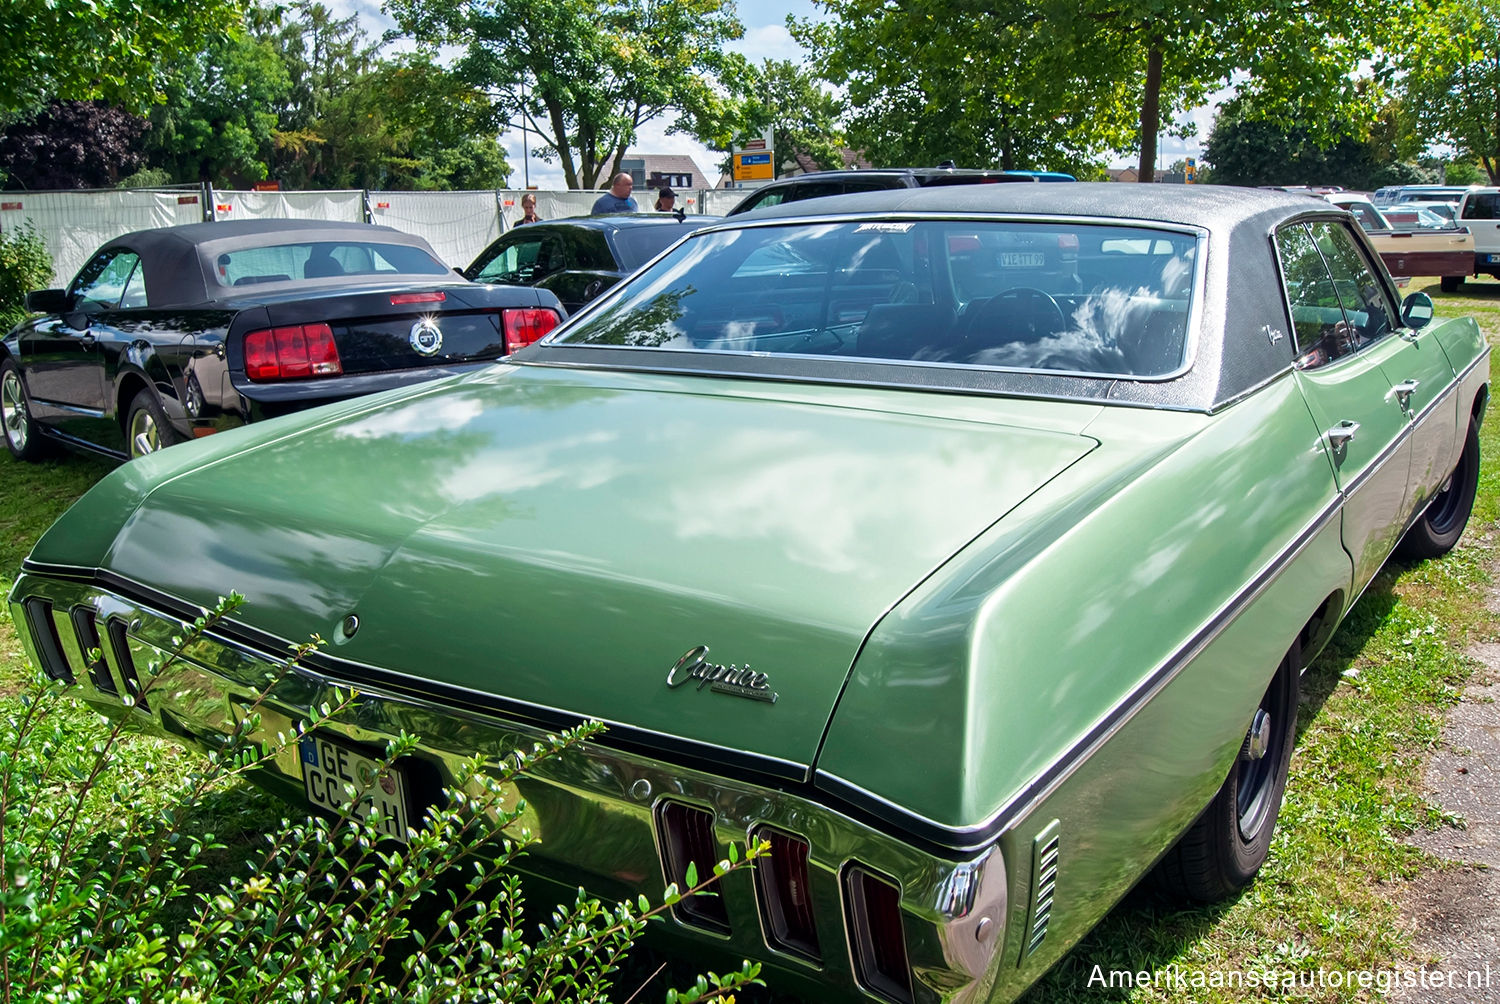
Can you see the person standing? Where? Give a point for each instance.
(666, 200)
(528, 210)
(617, 199)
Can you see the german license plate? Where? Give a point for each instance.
(1492, 258)
(328, 768)
(1022, 259)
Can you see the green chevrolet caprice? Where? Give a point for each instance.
(966, 544)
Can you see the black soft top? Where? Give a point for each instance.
(177, 261)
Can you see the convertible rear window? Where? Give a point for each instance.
(321, 260)
(1066, 296)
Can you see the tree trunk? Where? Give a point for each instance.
(1150, 113)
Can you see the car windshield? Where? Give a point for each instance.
(1077, 297)
(321, 260)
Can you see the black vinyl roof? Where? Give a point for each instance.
(177, 260)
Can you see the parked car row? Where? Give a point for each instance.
(1027, 505)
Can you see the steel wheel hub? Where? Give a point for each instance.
(145, 437)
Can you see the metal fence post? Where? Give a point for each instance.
(206, 193)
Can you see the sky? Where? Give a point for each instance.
(766, 37)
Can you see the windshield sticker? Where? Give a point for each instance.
(883, 228)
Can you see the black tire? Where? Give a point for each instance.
(1224, 848)
(146, 426)
(1443, 521)
(22, 435)
(1451, 283)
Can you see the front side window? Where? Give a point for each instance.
(522, 262)
(1063, 296)
(102, 281)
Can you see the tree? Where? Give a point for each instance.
(1248, 148)
(1452, 79)
(981, 85)
(217, 121)
(71, 144)
(585, 75)
(1052, 83)
(112, 49)
(803, 117)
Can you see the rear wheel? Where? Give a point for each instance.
(146, 428)
(1450, 283)
(1443, 521)
(21, 434)
(1224, 848)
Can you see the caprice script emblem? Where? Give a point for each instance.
(730, 680)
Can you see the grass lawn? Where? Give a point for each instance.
(1373, 707)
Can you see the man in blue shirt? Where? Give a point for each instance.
(617, 199)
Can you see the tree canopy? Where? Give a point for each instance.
(112, 49)
(585, 75)
(1452, 78)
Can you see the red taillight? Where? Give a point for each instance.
(433, 297)
(525, 325)
(292, 353)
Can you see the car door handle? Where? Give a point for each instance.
(1340, 435)
(1404, 391)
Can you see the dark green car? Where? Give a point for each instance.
(966, 543)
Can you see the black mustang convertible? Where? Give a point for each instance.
(177, 333)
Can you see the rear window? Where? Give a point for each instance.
(1062, 296)
(638, 245)
(321, 260)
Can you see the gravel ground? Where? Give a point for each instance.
(1455, 912)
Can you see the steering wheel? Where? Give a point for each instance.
(1031, 313)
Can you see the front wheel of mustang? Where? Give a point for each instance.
(1224, 848)
(21, 434)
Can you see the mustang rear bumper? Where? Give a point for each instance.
(600, 813)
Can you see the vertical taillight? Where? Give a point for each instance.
(86, 626)
(876, 934)
(48, 642)
(294, 352)
(784, 888)
(686, 835)
(524, 325)
(120, 643)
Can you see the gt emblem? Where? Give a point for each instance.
(426, 338)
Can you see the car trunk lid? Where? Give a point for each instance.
(562, 540)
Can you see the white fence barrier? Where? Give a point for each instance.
(457, 224)
(345, 206)
(74, 224)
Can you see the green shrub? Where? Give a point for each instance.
(103, 898)
(24, 265)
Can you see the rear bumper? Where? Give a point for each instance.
(595, 810)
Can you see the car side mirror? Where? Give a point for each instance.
(47, 301)
(1416, 310)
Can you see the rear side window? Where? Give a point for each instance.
(638, 245)
(1482, 206)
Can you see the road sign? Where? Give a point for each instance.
(753, 167)
(1190, 172)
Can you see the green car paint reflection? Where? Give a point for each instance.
(1030, 574)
